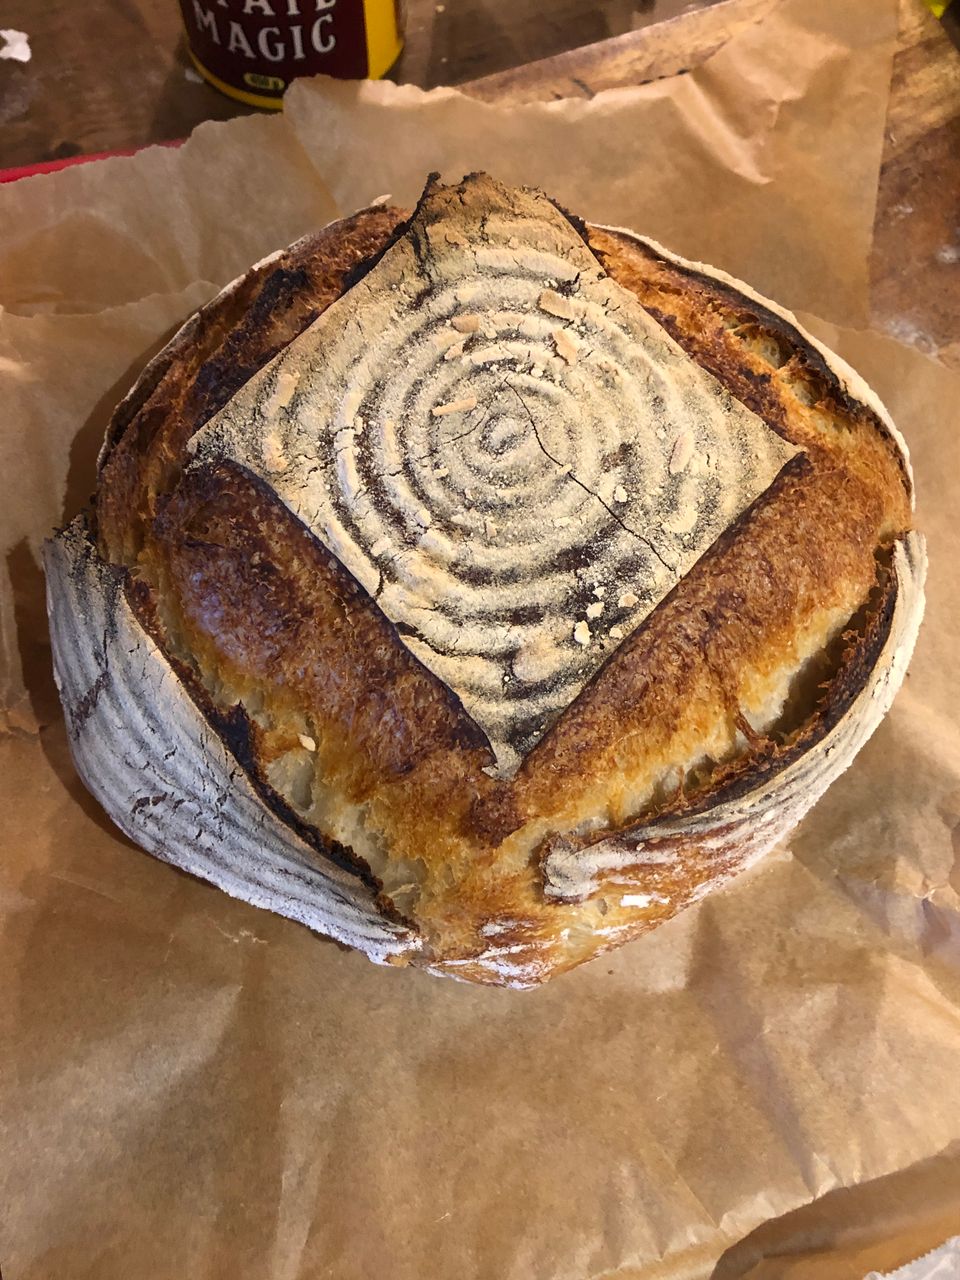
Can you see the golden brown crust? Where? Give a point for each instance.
(261, 611)
(263, 603)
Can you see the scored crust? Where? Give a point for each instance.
(697, 741)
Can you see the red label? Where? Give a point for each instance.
(259, 46)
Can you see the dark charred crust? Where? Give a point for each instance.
(146, 384)
(580, 227)
(355, 273)
(278, 293)
(81, 711)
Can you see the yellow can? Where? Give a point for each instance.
(253, 49)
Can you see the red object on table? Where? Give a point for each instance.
(51, 166)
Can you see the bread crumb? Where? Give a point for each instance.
(581, 633)
(380, 546)
(599, 592)
(424, 517)
(567, 349)
(555, 304)
(683, 522)
(628, 600)
(595, 610)
(491, 528)
(616, 633)
(274, 459)
(307, 742)
(466, 323)
(456, 351)
(681, 453)
(286, 385)
(440, 472)
(534, 660)
(445, 338)
(561, 522)
(454, 406)
(619, 494)
(497, 352)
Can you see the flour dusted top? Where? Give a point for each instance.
(503, 448)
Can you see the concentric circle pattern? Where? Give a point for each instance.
(503, 448)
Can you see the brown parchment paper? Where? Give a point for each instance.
(191, 1087)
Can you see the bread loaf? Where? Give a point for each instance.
(481, 587)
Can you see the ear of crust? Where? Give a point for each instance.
(732, 833)
(155, 763)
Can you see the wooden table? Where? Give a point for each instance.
(115, 76)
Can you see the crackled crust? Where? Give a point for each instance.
(690, 734)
